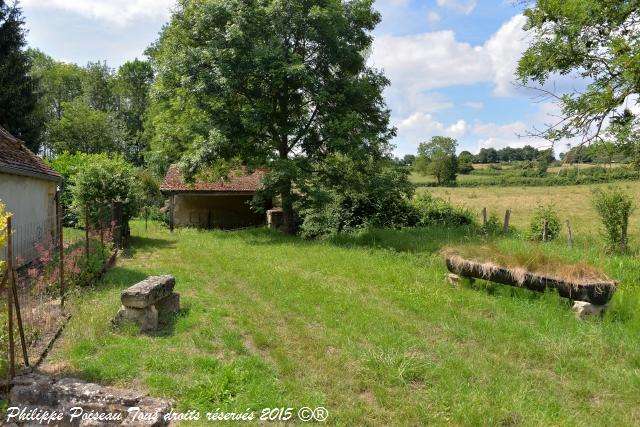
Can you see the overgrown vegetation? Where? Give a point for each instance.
(374, 301)
(614, 207)
(545, 224)
(436, 211)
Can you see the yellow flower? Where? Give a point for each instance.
(3, 230)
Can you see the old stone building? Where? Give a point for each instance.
(222, 204)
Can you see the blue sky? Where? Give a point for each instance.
(450, 62)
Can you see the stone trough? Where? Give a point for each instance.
(591, 296)
(144, 301)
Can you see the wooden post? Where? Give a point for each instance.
(146, 218)
(545, 230)
(171, 206)
(12, 361)
(61, 251)
(569, 238)
(86, 232)
(623, 237)
(507, 217)
(23, 341)
(484, 217)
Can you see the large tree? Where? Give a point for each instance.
(437, 157)
(277, 82)
(17, 98)
(133, 81)
(599, 40)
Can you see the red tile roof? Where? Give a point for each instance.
(17, 159)
(245, 183)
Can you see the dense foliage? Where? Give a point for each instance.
(437, 158)
(614, 207)
(18, 102)
(436, 211)
(101, 182)
(92, 109)
(544, 217)
(350, 194)
(280, 83)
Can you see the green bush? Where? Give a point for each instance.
(536, 226)
(348, 195)
(614, 207)
(437, 211)
(100, 183)
(493, 226)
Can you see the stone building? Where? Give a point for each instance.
(222, 204)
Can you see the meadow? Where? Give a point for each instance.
(364, 325)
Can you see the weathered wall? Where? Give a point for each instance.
(212, 211)
(32, 203)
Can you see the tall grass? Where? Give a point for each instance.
(365, 326)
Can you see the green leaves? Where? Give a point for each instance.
(438, 158)
(614, 207)
(598, 41)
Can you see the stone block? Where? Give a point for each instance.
(147, 292)
(584, 309)
(169, 304)
(146, 318)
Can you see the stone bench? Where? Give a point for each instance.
(142, 302)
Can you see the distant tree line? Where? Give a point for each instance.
(507, 154)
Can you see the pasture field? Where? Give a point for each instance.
(573, 202)
(363, 325)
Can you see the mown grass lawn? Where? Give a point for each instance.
(363, 325)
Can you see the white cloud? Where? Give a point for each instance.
(436, 59)
(476, 105)
(465, 7)
(430, 60)
(505, 48)
(433, 17)
(422, 126)
(120, 12)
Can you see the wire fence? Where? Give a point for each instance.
(45, 264)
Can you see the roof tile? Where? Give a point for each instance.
(15, 156)
(245, 183)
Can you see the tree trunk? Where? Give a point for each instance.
(288, 221)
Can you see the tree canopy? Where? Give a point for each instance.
(18, 101)
(437, 157)
(282, 83)
(599, 41)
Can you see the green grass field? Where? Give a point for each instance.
(363, 325)
(573, 203)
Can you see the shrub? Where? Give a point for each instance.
(541, 215)
(493, 226)
(437, 211)
(102, 182)
(614, 207)
(349, 194)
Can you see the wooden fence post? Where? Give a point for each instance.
(507, 218)
(623, 237)
(60, 246)
(12, 361)
(569, 237)
(545, 230)
(484, 217)
(171, 207)
(86, 232)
